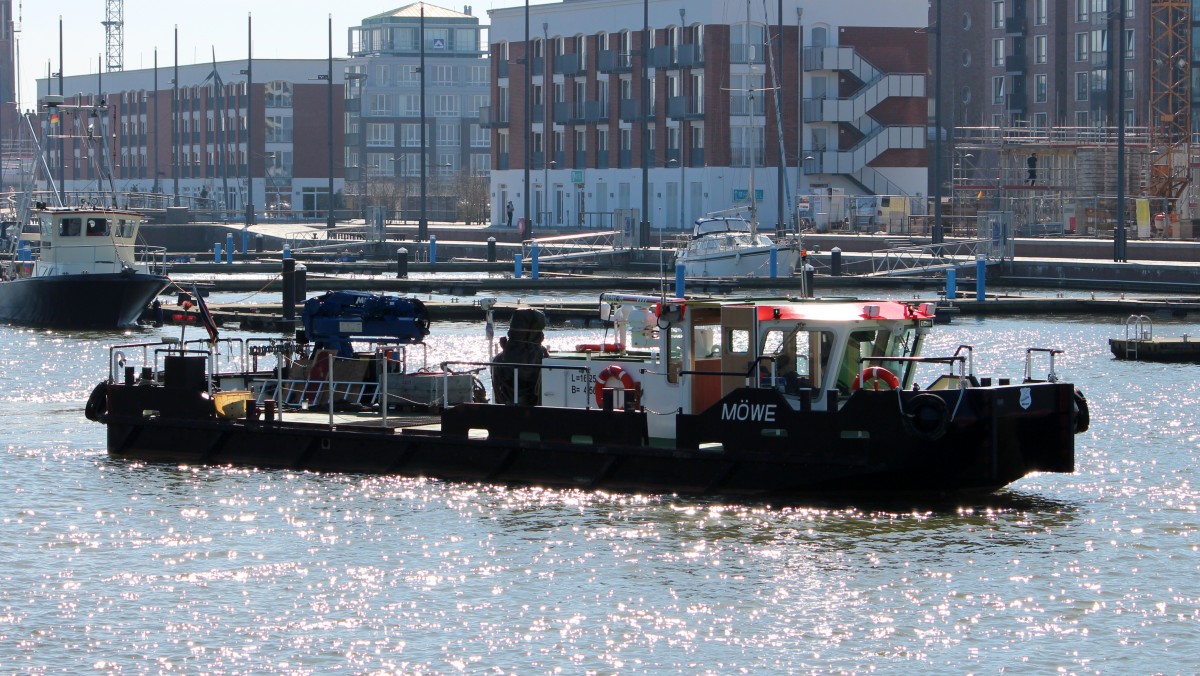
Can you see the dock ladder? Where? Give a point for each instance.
(1142, 329)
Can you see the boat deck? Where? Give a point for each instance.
(424, 424)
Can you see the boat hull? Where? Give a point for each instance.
(996, 436)
(749, 262)
(83, 301)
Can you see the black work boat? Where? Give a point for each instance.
(779, 397)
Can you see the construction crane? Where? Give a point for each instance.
(114, 35)
(1170, 97)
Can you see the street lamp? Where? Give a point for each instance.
(330, 222)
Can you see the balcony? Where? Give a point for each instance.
(676, 57)
(593, 111)
(568, 64)
(491, 117)
(742, 53)
(538, 115)
(612, 61)
(1016, 63)
(683, 108)
(630, 110)
(501, 68)
(625, 159)
(1015, 25)
(562, 113)
(501, 161)
(579, 159)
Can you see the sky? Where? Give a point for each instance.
(285, 29)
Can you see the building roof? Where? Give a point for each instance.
(413, 11)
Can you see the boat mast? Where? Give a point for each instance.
(753, 146)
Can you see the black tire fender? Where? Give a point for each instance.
(1080, 412)
(97, 403)
(927, 417)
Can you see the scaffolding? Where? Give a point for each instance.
(1068, 188)
(1170, 97)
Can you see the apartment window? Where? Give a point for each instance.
(383, 75)
(479, 137)
(1039, 49)
(997, 13)
(449, 134)
(481, 164)
(580, 140)
(278, 128)
(412, 105)
(465, 40)
(1039, 13)
(379, 164)
(998, 89)
(1081, 46)
(446, 105)
(1099, 41)
(1081, 86)
(443, 75)
(998, 52)
(746, 144)
(381, 104)
(1040, 87)
(1127, 85)
(407, 74)
(1081, 11)
(602, 140)
(1041, 120)
(381, 134)
(410, 135)
(1128, 43)
(1081, 118)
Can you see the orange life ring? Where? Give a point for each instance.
(872, 376)
(612, 371)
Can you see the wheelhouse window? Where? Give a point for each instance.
(97, 227)
(801, 357)
(70, 227)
